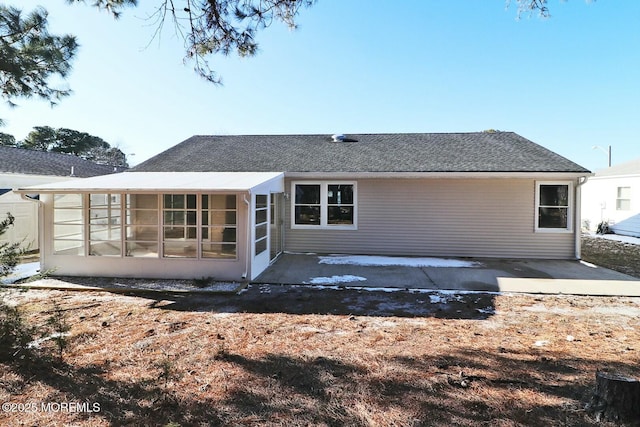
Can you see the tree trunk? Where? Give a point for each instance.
(616, 398)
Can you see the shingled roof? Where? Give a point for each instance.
(417, 152)
(34, 162)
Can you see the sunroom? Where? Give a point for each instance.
(220, 225)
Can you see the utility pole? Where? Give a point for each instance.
(606, 151)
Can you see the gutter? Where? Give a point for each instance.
(438, 175)
(578, 227)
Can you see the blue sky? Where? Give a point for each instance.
(362, 66)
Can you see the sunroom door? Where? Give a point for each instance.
(261, 234)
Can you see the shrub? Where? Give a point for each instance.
(603, 228)
(9, 252)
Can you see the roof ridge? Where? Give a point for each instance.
(347, 133)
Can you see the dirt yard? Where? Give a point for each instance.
(622, 257)
(294, 356)
(301, 356)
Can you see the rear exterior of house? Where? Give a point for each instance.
(461, 217)
(455, 195)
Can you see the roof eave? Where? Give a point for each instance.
(439, 175)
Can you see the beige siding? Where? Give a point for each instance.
(439, 217)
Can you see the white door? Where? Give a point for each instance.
(261, 234)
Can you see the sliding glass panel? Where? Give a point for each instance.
(142, 249)
(110, 248)
(219, 250)
(68, 247)
(180, 249)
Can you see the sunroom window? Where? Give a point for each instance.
(105, 225)
(179, 226)
(553, 205)
(146, 225)
(68, 224)
(219, 224)
(141, 222)
(324, 204)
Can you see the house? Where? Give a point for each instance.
(613, 196)
(226, 206)
(21, 168)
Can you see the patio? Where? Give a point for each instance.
(488, 275)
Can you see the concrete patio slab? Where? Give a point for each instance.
(487, 275)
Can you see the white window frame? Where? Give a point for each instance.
(619, 198)
(570, 208)
(324, 204)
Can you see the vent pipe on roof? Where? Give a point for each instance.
(73, 171)
(339, 137)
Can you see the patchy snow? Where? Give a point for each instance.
(380, 289)
(588, 264)
(22, 271)
(372, 260)
(438, 299)
(336, 279)
(541, 343)
(264, 289)
(39, 341)
(618, 238)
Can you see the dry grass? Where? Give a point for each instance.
(206, 361)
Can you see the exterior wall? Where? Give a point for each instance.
(599, 196)
(25, 226)
(440, 217)
(142, 267)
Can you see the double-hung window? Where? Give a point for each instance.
(553, 206)
(324, 204)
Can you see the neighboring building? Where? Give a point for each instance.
(613, 196)
(225, 206)
(22, 168)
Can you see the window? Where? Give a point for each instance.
(105, 225)
(146, 225)
(623, 199)
(218, 224)
(261, 223)
(141, 225)
(553, 206)
(324, 204)
(68, 224)
(179, 226)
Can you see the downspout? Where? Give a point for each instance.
(248, 251)
(578, 226)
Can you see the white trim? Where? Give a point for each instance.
(160, 182)
(324, 184)
(570, 207)
(439, 175)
